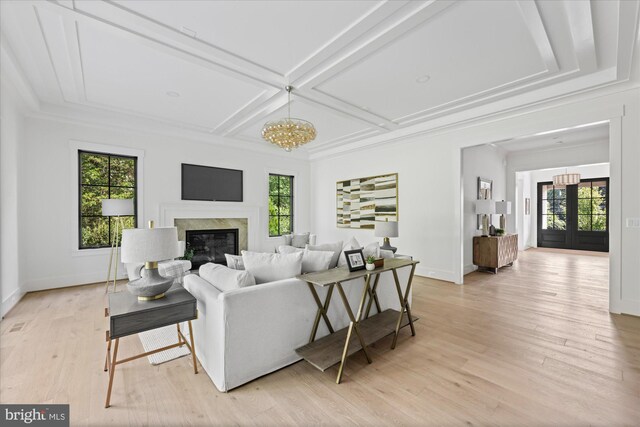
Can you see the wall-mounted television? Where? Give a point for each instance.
(211, 183)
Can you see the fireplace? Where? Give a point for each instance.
(211, 245)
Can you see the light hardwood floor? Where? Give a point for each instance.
(533, 345)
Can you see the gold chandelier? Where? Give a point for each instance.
(289, 133)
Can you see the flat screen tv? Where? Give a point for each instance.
(212, 184)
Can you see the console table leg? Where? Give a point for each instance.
(373, 297)
(404, 305)
(322, 311)
(112, 372)
(353, 326)
(193, 348)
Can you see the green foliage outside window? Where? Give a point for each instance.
(592, 207)
(103, 176)
(280, 205)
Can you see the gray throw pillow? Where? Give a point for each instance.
(300, 240)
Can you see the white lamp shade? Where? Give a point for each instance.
(117, 207)
(149, 244)
(386, 229)
(503, 208)
(182, 247)
(485, 206)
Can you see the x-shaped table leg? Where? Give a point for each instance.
(404, 304)
(322, 311)
(373, 297)
(353, 326)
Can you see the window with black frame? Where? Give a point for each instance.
(103, 176)
(280, 204)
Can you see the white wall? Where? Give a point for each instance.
(430, 171)
(546, 175)
(11, 128)
(523, 221)
(48, 221)
(487, 162)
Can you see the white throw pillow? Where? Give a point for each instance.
(384, 253)
(269, 267)
(299, 240)
(287, 249)
(350, 245)
(234, 261)
(372, 249)
(313, 261)
(335, 247)
(224, 278)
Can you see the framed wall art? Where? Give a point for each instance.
(360, 202)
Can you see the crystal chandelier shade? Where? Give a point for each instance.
(289, 133)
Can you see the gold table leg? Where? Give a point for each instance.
(404, 304)
(353, 326)
(373, 297)
(112, 371)
(193, 349)
(322, 311)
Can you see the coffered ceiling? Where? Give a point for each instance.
(359, 68)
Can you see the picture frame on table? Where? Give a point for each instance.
(355, 259)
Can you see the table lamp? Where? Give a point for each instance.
(485, 208)
(386, 229)
(503, 208)
(117, 208)
(149, 245)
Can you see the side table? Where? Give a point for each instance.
(128, 316)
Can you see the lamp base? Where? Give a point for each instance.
(150, 286)
(386, 245)
(503, 222)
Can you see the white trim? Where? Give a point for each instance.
(615, 215)
(74, 147)
(9, 302)
(288, 172)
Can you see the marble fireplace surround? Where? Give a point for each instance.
(240, 224)
(213, 215)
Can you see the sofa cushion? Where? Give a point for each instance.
(269, 267)
(312, 261)
(300, 240)
(349, 245)
(224, 278)
(288, 249)
(335, 247)
(234, 261)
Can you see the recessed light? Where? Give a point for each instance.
(423, 79)
(173, 94)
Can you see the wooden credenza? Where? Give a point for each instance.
(493, 252)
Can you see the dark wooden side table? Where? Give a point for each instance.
(128, 316)
(336, 347)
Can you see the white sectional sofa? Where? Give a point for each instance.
(242, 334)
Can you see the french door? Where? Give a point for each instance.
(574, 216)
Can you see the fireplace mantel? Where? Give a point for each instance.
(169, 212)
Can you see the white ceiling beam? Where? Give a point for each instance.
(55, 35)
(628, 35)
(581, 26)
(540, 37)
(341, 41)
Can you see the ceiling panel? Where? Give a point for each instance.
(330, 126)
(124, 74)
(278, 35)
(467, 49)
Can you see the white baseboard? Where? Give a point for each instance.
(425, 271)
(469, 269)
(68, 280)
(9, 302)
